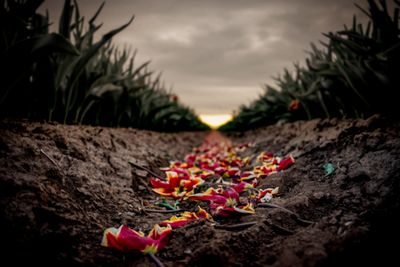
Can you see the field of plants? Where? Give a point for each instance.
(66, 77)
(354, 73)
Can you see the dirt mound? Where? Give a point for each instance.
(61, 186)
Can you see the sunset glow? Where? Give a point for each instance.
(215, 120)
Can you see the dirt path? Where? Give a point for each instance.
(216, 137)
(61, 186)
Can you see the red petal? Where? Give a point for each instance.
(126, 239)
(157, 183)
(286, 163)
(231, 193)
(176, 224)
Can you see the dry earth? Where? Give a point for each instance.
(61, 186)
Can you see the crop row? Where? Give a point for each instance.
(68, 77)
(354, 74)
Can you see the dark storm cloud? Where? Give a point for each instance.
(218, 53)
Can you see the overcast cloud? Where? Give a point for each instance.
(217, 54)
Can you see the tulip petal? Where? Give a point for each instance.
(286, 163)
(248, 209)
(126, 239)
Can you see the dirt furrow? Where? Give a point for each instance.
(61, 186)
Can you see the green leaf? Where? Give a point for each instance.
(329, 169)
(65, 19)
(81, 63)
(52, 43)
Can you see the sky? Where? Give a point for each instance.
(217, 54)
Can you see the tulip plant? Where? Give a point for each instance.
(214, 176)
(352, 73)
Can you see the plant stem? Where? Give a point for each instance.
(293, 214)
(146, 169)
(269, 205)
(239, 226)
(50, 158)
(155, 260)
(162, 211)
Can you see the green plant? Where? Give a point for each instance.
(354, 74)
(67, 77)
(24, 44)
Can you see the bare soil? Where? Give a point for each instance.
(61, 186)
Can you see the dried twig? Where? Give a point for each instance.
(278, 229)
(162, 211)
(232, 227)
(270, 205)
(155, 260)
(303, 221)
(294, 215)
(146, 169)
(50, 158)
(142, 208)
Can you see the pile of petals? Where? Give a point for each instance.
(214, 173)
(224, 202)
(177, 184)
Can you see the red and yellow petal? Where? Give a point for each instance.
(231, 193)
(286, 163)
(265, 195)
(185, 218)
(179, 221)
(163, 191)
(157, 183)
(126, 239)
(248, 209)
(201, 213)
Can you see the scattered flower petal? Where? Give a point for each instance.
(126, 239)
(185, 218)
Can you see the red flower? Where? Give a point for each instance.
(174, 98)
(294, 105)
(126, 239)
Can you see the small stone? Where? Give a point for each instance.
(333, 220)
(128, 213)
(347, 224)
(318, 195)
(340, 231)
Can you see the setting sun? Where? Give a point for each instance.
(215, 120)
